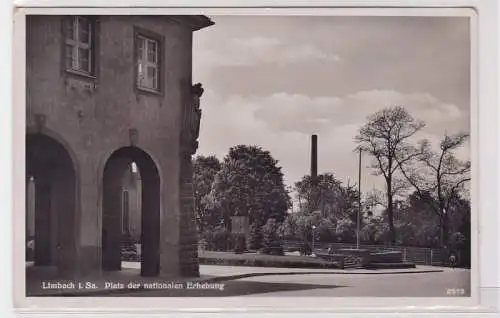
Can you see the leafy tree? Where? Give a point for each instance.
(386, 137)
(326, 192)
(348, 203)
(417, 225)
(250, 183)
(439, 178)
(271, 241)
(239, 242)
(374, 230)
(255, 237)
(217, 239)
(204, 171)
(345, 230)
(326, 230)
(298, 226)
(459, 212)
(335, 200)
(289, 228)
(465, 244)
(336, 217)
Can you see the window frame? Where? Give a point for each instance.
(76, 45)
(146, 35)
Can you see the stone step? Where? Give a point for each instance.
(390, 265)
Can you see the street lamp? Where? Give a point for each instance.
(358, 221)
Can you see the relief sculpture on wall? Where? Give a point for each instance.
(195, 112)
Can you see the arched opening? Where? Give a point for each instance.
(131, 210)
(51, 203)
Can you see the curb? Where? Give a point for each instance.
(233, 277)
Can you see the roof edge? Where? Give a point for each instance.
(195, 22)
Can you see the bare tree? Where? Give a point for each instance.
(439, 176)
(376, 197)
(386, 137)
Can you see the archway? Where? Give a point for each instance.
(113, 216)
(51, 184)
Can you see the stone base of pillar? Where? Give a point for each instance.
(169, 261)
(89, 261)
(190, 266)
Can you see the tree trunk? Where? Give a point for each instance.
(390, 214)
(442, 219)
(443, 230)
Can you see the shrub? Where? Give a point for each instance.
(217, 238)
(239, 243)
(305, 248)
(129, 249)
(255, 237)
(271, 242)
(325, 231)
(129, 253)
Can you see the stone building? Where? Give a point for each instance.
(104, 92)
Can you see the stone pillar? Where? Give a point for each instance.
(89, 220)
(42, 222)
(111, 213)
(55, 207)
(150, 221)
(169, 224)
(188, 239)
(188, 255)
(65, 230)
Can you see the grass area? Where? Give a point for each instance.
(263, 260)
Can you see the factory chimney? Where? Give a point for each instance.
(314, 159)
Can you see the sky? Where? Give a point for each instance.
(273, 81)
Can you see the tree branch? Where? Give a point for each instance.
(459, 183)
(377, 156)
(453, 189)
(400, 162)
(455, 173)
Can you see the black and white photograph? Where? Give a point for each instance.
(248, 155)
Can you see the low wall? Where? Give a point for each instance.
(417, 255)
(261, 260)
(333, 258)
(387, 257)
(356, 256)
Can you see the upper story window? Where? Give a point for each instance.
(79, 44)
(148, 63)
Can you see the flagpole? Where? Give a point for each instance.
(359, 202)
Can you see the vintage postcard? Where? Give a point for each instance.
(247, 157)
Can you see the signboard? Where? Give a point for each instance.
(239, 224)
